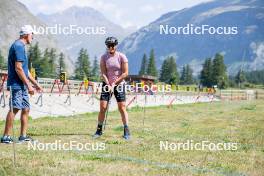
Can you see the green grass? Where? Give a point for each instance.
(237, 121)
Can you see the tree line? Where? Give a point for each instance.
(213, 73)
(49, 64)
(84, 69)
(168, 73)
(244, 79)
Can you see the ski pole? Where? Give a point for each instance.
(13, 133)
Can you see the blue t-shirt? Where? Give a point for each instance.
(17, 53)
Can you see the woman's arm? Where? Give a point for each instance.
(103, 72)
(124, 73)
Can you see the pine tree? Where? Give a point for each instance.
(30, 56)
(187, 75)
(207, 73)
(174, 79)
(34, 57)
(62, 65)
(95, 70)
(44, 65)
(86, 65)
(168, 72)
(219, 76)
(82, 66)
(165, 72)
(78, 70)
(53, 63)
(152, 69)
(183, 75)
(144, 64)
(174, 75)
(2, 62)
(240, 77)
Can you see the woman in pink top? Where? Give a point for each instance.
(114, 69)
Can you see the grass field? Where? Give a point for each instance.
(239, 122)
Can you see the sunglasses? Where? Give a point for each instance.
(110, 46)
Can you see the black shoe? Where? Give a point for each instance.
(126, 135)
(98, 132)
(7, 140)
(25, 139)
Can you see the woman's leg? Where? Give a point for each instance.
(101, 115)
(123, 112)
(124, 115)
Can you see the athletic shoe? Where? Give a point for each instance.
(98, 132)
(25, 139)
(7, 140)
(126, 135)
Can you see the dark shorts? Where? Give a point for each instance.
(20, 99)
(119, 92)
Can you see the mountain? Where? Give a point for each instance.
(14, 15)
(242, 45)
(98, 27)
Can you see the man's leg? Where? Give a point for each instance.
(24, 122)
(9, 121)
(15, 104)
(24, 118)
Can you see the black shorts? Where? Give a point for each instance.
(119, 92)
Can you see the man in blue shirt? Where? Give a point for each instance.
(19, 81)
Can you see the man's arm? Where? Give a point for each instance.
(21, 74)
(23, 77)
(34, 82)
(31, 79)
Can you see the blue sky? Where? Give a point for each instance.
(125, 13)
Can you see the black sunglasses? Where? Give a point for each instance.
(109, 46)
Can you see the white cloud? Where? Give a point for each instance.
(128, 24)
(258, 50)
(150, 8)
(118, 15)
(50, 6)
